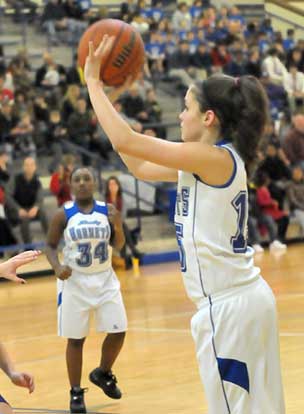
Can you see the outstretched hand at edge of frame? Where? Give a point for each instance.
(9, 267)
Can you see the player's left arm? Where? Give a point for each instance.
(117, 226)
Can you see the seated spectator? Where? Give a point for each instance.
(294, 86)
(270, 208)
(133, 104)
(56, 135)
(7, 236)
(181, 18)
(5, 94)
(8, 121)
(295, 57)
(289, 43)
(28, 198)
(220, 56)
(253, 66)
(19, 6)
(155, 51)
(49, 65)
(69, 103)
(180, 64)
(134, 124)
(24, 136)
(196, 9)
(293, 144)
(157, 12)
(278, 171)
(277, 97)
(273, 67)
(295, 196)
(236, 67)
(201, 60)
(113, 195)
(140, 23)
(127, 9)
(60, 180)
(81, 127)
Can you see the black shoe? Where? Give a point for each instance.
(107, 382)
(77, 404)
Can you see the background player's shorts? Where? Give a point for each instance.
(81, 294)
(237, 346)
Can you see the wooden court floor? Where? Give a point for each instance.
(157, 370)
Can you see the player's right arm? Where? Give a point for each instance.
(54, 235)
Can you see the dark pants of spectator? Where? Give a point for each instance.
(129, 243)
(253, 231)
(282, 227)
(25, 225)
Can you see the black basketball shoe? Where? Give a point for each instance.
(77, 404)
(107, 382)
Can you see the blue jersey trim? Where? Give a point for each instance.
(229, 182)
(70, 211)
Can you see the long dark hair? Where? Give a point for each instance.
(241, 105)
(119, 192)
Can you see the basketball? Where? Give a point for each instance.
(126, 56)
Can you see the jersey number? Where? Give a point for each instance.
(86, 257)
(238, 241)
(182, 254)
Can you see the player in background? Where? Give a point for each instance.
(86, 282)
(22, 379)
(235, 327)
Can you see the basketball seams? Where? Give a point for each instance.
(112, 50)
(139, 45)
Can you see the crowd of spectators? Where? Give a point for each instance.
(48, 110)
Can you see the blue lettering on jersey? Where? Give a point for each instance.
(182, 202)
(80, 233)
(240, 204)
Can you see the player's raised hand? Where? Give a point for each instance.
(23, 379)
(63, 272)
(8, 268)
(96, 57)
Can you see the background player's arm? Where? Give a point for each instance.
(117, 226)
(55, 233)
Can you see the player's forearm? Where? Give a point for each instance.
(6, 364)
(132, 163)
(119, 238)
(52, 256)
(118, 131)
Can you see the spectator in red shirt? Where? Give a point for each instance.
(270, 207)
(5, 94)
(60, 180)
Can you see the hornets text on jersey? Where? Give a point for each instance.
(87, 238)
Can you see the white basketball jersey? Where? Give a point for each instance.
(87, 238)
(211, 230)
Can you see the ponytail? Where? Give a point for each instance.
(241, 105)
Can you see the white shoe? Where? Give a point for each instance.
(257, 248)
(277, 245)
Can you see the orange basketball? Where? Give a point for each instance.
(126, 57)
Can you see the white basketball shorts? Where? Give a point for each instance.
(82, 294)
(237, 347)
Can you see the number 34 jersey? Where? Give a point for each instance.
(211, 230)
(87, 238)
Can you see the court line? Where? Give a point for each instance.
(20, 410)
(183, 331)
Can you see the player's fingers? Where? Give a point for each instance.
(91, 50)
